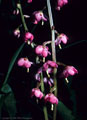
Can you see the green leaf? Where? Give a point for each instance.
(2, 97)
(6, 88)
(64, 112)
(0, 1)
(10, 104)
(12, 62)
(72, 44)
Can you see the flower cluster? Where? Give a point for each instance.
(45, 73)
(48, 98)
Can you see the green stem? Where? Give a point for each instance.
(22, 16)
(44, 107)
(52, 31)
(53, 53)
(19, 50)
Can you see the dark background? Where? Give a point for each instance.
(71, 20)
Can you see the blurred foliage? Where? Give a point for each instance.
(7, 105)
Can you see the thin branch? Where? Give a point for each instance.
(53, 53)
(44, 107)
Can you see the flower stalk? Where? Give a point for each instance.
(22, 16)
(43, 90)
(53, 53)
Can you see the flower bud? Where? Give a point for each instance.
(28, 36)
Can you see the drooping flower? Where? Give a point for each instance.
(17, 33)
(29, 1)
(61, 3)
(51, 98)
(24, 62)
(16, 12)
(42, 51)
(49, 65)
(37, 93)
(69, 71)
(28, 37)
(48, 81)
(37, 77)
(26, 16)
(38, 16)
(61, 38)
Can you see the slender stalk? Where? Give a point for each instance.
(52, 31)
(44, 107)
(22, 16)
(53, 53)
(26, 29)
(46, 43)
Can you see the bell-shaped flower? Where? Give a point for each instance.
(16, 12)
(61, 38)
(24, 62)
(28, 37)
(38, 16)
(49, 65)
(29, 1)
(69, 71)
(61, 3)
(37, 77)
(51, 98)
(42, 51)
(48, 81)
(37, 93)
(17, 33)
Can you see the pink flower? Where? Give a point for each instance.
(24, 62)
(37, 93)
(29, 1)
(49, 65)
(38, 16)
(17, 33)
(60, 3)
(42, 50)
(51, 98)
(61, 38)
(28, 36)
(69, 70)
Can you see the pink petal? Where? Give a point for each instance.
(21, 62)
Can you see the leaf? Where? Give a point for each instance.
(64, 112)
(12, 62)
(72, 44)
(10, 104)
(6, 88)
(0, 1)
(2, 97)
